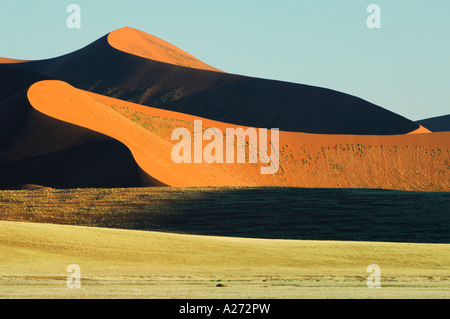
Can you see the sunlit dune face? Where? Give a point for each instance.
(142, 44)
(420, 130)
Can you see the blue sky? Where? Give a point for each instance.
(404, 66)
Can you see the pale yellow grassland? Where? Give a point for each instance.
(141, 264)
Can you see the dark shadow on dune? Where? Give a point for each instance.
(437, 124)
(296, 213)
(13, 80)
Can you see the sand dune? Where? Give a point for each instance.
(420, 130)
(103, 116)
(7, 60)
(410, 162)
(14, 80)
(37, 149)
(327, 138)
(230, 98)
(145, 45)
(150, 151)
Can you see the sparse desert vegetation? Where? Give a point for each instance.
(267, 212)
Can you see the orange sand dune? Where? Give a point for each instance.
(8, 60)
(152, 153)
(145, 45)
(407, 162)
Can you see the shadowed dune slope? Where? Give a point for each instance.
(437, 124)
(38, 149)
(14, 80)
(229, 98)
(409, 162)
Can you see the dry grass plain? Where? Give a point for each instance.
(118, 263)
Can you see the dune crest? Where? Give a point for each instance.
(420, 130)
(145, 45)
(8, 60)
